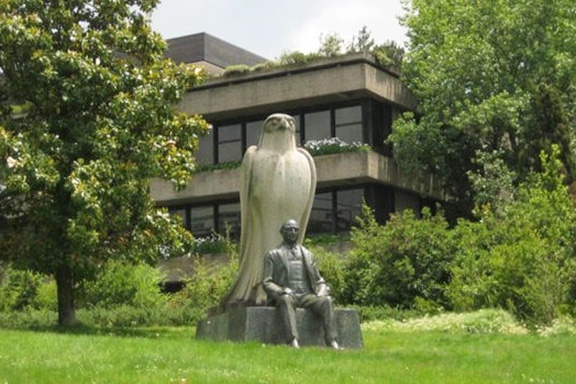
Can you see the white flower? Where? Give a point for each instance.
(11, 162)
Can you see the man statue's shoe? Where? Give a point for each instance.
(294, 343)
(334, 344)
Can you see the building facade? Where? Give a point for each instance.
(349, 97)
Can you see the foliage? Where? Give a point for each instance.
(522, 261)
(239, 69)
(122, 284)
(18, 289)
(404, 263)
(324, 239)
(389, 55)
(330, 45)
(332, 267)
(101, 123)
(207, 287)
(485, 321)
(297, 58)
(228, 165)
(492, 77)
(493, 183)
(214, 243)
(363, 42)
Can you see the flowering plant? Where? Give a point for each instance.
(333, 145)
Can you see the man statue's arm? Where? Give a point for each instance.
(268, 282)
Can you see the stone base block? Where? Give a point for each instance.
(264, 324)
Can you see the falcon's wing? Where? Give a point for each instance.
(304, 219)
(245, 178)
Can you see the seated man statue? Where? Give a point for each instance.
(291, 280)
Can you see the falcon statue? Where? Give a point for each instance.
(277, 183)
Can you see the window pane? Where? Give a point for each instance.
(297, 126)
(349, 206)
(350, 133)
(349, 124)
(253, 130)
(229, 219)
(180, 213)
(201, 220)
(229, 143)
(205, 153)
(403, 201)
(348, 115)
(317, 125)
(321, 215)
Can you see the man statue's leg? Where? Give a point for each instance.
(323, 307)
(287, 308)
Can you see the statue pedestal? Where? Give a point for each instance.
(264, 324)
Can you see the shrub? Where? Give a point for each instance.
(521, 260)
(402, 264)
(121, 283)
(297, 58)
(332, 267)
(207, 287)
(18, 288)
(239, 69)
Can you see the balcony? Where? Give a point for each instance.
(342, 169)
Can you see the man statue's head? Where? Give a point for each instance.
(290, 231)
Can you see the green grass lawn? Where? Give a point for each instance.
(172, 355)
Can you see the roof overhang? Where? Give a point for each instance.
(323, 81)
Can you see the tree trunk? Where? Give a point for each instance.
(65, 288)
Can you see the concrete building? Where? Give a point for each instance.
(350, 97)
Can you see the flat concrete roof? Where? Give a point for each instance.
(202, 47)
(324, 81)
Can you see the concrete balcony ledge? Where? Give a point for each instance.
(337, 79)
(342, 169)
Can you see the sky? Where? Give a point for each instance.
(270, 28)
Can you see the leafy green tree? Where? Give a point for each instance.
(330, 45)
(363, 42)
(99, 123)
(493, 76)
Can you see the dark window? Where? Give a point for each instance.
(253, 130)
(348, 124)
(321, 217)
(205, 153)
(348, 207)
(298, 134)
(202, 220)
(229, 143)
(229, 220)
(317, 125)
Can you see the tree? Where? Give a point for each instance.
(493, 77)
(99, 122)
(363, 42)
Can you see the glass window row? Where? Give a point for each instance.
(228, 142)
(332, 212)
